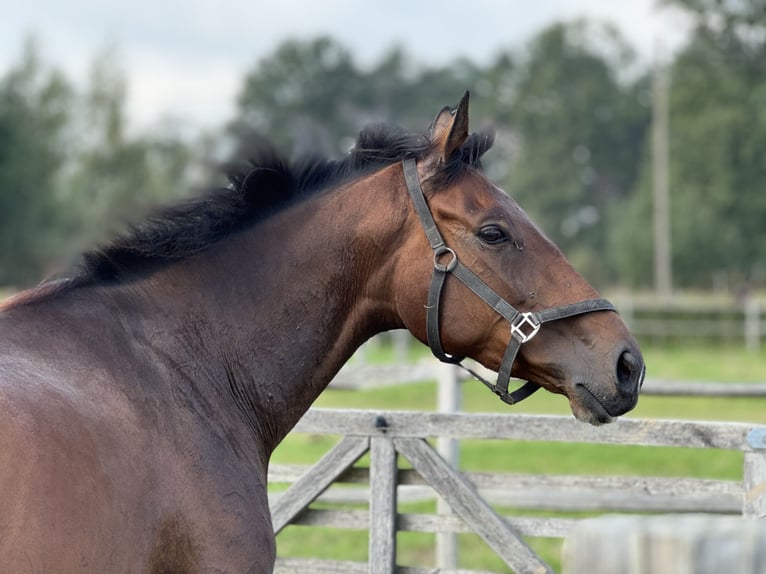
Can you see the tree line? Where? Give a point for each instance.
(573, 112)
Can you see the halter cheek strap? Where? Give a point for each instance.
(524, 326)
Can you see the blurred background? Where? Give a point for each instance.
(633, 132)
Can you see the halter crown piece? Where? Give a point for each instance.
(524, 326)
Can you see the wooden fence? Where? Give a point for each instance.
(360, 375)
(676, 319)
(394, 434)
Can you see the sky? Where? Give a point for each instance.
(187, 59)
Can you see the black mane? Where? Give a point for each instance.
(268, 184)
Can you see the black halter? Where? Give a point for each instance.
(524, 326)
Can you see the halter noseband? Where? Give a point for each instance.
(524, 326)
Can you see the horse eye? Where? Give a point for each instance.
(492, 235)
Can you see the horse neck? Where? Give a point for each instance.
(278, 309)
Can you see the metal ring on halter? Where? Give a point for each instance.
(525, 327)
(438, 252)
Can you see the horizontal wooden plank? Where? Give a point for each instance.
(559, 492)
(357, 375)
(416, 570)
(545, 527)
(304, 565)
(618, 493)
(644, 432)
(315, 566)
(572, 501)
(660, 387)
(646, 484)
(594, 501)
(516, 481)
(681, 305)
(691, 327)
(290, 472)
(359, 520)
(365, 376)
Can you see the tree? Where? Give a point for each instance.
(70, 172)
(580, 128)
(302, 96)
(116, 177)
(34, 100)
(311, 96)
(717, 138)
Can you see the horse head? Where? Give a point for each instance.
(484, 282)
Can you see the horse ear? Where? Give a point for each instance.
(440, 123)
(449, 129)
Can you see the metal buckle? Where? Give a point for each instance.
(442, 250)
(524, 327)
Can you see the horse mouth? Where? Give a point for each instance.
(587, 408)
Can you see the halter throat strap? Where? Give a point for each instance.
(524, 326)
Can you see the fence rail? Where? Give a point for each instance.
(743, 320)
(366, 376)
(579, 493)
(392, 434)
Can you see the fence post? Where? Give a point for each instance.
(401, 341)
(754, 475)
(626, 308)
(449, 401)
(752, 324)
(383, 505)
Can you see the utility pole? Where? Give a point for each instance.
(663, 270)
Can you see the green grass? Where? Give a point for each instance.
(725, 364)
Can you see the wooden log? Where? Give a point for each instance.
(666, 544)
(360, 520)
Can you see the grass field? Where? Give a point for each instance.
(725, 364)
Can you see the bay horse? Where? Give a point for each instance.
(142, 395)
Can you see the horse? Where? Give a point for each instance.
(142, 394)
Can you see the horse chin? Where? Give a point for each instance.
(595, 417)
(587, 408)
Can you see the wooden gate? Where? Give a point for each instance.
(387, 435)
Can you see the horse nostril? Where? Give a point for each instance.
(630, 371)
